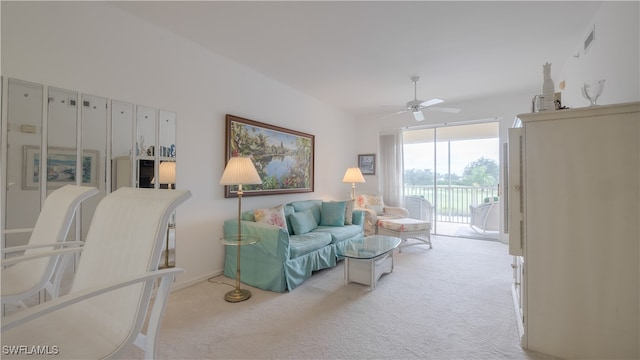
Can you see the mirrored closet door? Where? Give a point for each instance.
(86, 140)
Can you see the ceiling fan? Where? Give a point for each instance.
(416, 106)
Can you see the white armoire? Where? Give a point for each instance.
(574, 230)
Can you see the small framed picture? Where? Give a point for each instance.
(367, 164)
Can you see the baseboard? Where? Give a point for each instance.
(197, 280)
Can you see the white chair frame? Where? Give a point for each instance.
(50, 232)
(84, 324)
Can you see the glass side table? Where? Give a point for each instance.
(237, 294)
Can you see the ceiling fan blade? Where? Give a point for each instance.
(444, 109)
(431, 102)
(418, 115)
(395, 113)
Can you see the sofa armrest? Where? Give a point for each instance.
(399, 211)
(273, 241)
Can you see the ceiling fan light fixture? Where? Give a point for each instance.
(418, 115)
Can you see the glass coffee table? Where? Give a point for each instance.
(367, 259)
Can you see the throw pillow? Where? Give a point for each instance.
(348, 212)
(332, 213)
(271, 216)
(302, 222)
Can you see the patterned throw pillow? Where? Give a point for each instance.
(348, 212)
(271, 216)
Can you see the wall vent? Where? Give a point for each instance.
(591, 37)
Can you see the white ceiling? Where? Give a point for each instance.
(359, 56)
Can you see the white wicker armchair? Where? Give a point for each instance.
(375, 210)
(419, 208)
(485, 217)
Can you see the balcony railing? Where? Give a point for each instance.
(451, 203)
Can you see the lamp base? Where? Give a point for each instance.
(237, 295)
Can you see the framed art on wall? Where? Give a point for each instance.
(284, 158)
(61, 167)
(367, 164)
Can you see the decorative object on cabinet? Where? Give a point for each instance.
(592, 91)
(548, 88)
(353, 176)
(367, 164)
(239, 171)
(61, 167)
(284, 158)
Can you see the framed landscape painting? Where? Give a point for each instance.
(283, 158)
(61, 167)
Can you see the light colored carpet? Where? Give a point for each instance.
(450, 302)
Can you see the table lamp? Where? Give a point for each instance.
(239, 170)
(353, 176)
(167, 173)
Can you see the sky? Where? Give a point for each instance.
(420, 156)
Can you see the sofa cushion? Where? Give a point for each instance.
(332, 213)
(271, 216)
(302, 222)
(339, 233)
(348, 211)
(313, 205)
(303, 244)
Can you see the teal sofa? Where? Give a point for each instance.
(283, 258)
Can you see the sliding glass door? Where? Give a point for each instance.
(456, 169)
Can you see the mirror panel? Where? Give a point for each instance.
(167, 176)
(24, 125)
(121, 144)
(61, 166)
(62, 123)
(167, 146)
(167, 149)
(94, 153)
(145, 145)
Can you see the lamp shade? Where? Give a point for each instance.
(167, 172)
(240, 170)
(353, 175)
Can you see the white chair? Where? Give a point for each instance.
(485, 217)
(419, 208)
(376, 210)
(25, 279)
(105, 310)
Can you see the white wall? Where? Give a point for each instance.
(614, 56)
(97, 49)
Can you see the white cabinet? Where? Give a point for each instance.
(579, 234)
